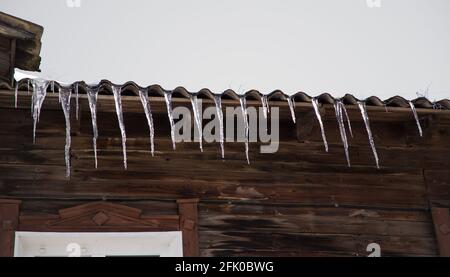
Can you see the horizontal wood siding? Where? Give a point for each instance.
(299, 201)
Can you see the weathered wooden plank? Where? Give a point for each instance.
(231, 208)
(337, 224)
(169, 187)
(306, 243)
(293, 253)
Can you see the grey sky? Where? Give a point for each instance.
(335, 46)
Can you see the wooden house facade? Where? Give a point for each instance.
(298, 201)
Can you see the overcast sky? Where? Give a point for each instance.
(335, 46)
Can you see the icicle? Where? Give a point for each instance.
(365, 116)
(16, 92)
(28, 86)
(341, 103)
(77, 107)
(291, 103)
(198, 120)
(65, 94)
(218, 102)
(168, 98)
(118, 102)
(340, 119)
(416, 117)
(243, 102)
(52, 86)
(315, 104)
(265, 105)
(143, 94)
(39, 92)
(92, 94)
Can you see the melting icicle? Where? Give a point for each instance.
(365, 116)
(52, 86)
(65, 94)
(28, 86)
(118, 102)
(315, 104)
(291, 103)
(143, 94)
(265, 105)
(340, 119)
(39, 92)
(243, 102)
(218, 102)
(168, 98)
(341, 103)
(198, 120)
(77, 108)
(416, 117)
(92, 94)
(16, 92)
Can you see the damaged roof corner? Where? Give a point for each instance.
(28, 40)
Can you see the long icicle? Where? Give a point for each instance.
(218, 103)
(92, 94)
(143, 94)
(198, 120)
(349, 125)
(16, 92)
(265, 106)
(77, 107)
(340, 121)
(65, 94)
(168, 98)
(365, 116)
(291, 103)
(243, 102)
(416, 117)
(315, 104)
(39, 92)
(117, 90)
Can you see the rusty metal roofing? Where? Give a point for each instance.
(131, 88)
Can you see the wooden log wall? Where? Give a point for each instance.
(299, 201)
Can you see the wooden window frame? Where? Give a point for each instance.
(441, 220)
(99, 216)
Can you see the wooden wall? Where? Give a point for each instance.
(5, 59)
(299, 201)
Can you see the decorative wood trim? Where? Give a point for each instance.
(441, 219)
(187, 209)
(9, 217)
(99, 217)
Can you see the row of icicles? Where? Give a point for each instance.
(40, 87)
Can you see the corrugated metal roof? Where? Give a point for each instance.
(131, 88)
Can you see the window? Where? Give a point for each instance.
(58, 244)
